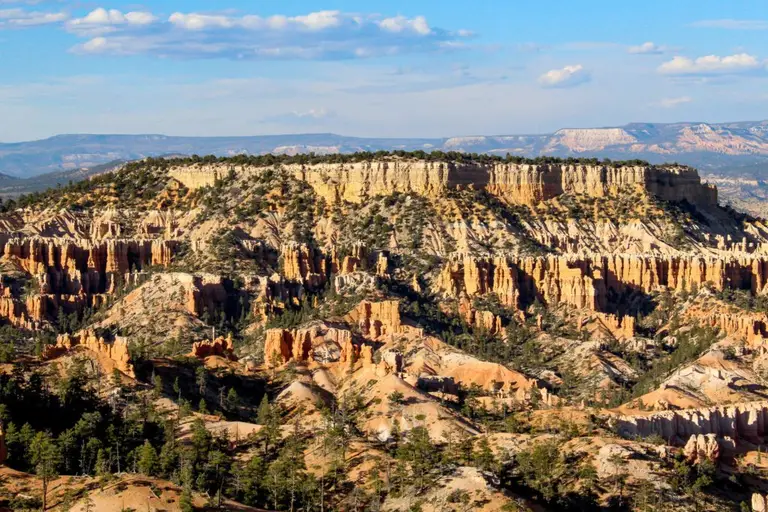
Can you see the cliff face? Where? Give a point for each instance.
(377, 318)
(72, 274)
(314, 343)
(84, 266)
(748, 421)
(515, 183)
(221, 347)
(110, 353)
(584, 281)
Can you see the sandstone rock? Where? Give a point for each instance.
(515, 183)
(377, 318)
(759, 503)
(74, 272)
(701, 448)
(305, 264)
(222, 347)
(284, 345)
(114, 352)
(584, 281)
(739, 421)
(366, 355)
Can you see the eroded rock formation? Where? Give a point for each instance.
(748, 421)
(112, 353)
(515, 183)
(377, 318)
(309, 344)
(584, 281)
(701, 447)
(759, 503)
(221, 346)
(72, 274)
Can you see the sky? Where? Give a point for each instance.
(395, 68)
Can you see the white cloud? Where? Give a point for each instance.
(321, 20)
(195, 21)
(568, 76)
(731, 24)
(418, 25)
(19, 18)
(648, 48)
(329, 35)
(673, 102)
(712, 65)
(101, 21)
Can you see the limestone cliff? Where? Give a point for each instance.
(515, 183)
(221, 347)
(317, 342)
(583, 281)
(112, 354)
(377, 319)
(748, 421)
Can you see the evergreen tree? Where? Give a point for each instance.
(46, 459)
(148, 460)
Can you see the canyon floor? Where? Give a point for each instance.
(389, 331)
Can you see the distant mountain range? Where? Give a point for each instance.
(711, 147)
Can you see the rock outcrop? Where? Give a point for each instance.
(514, 183)
(746, 421)
(71, 267)
(584, 281)
(72, 274)
(113, 353)
(202, 293)
(759, 503)
(221, 347)
(700, 448)
(377, 319)
(309, 344)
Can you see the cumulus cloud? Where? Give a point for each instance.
(316, 35)
(648, 48)
(712, 65)
(731, 24)
(673, 102)
(569, 76)
(417, 25)
(102, 21)
(19, 18)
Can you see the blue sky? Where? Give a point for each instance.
(374, 68)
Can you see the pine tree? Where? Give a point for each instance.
(148, 459)
(233, 400)
(483, 456)
(157, 390)
(46, 459)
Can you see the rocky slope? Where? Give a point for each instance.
(411, 323)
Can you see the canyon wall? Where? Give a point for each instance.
(71, 274)
(747, 421)
(308, 344)
(111, 354)
(83, 266)
(584, 281)
(515, 183)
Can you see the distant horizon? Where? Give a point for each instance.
(326, 133)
